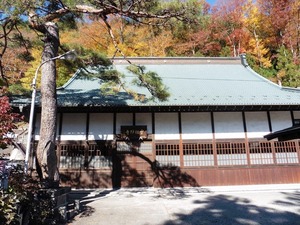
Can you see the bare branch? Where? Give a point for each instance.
(114, 41)
(129, 12)
(56, 14)
(6, 32)
(88, 9)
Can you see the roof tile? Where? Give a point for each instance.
(191, 82)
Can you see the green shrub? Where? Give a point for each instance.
(23, 200)
(8, 203)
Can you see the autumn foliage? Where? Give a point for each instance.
(7, 120)
(266, 30)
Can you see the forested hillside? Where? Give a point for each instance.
(268, 31)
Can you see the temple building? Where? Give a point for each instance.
(219, 126)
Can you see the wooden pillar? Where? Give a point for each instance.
(133, 119)
(214, 139)
(272, 142)
(273, 152)
(133, 157)
(58, 145)
(153, 136)
(180, 141)
(293, 118)
(269, 121)
(246, 139)
(87, 127)
(86, 144)
(115, 124)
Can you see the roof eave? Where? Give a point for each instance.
(176, 108)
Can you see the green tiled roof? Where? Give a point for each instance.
(191, 82)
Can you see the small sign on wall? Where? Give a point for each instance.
(134, 133)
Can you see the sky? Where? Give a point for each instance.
(211, 2)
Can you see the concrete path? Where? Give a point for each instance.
(236, 205)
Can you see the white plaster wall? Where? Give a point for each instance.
(257, 124)
(280, 120)
(228, 125)
(196, 126)
(144, 119)
(73, 126)
(123, 119)
(38, 126)
(101, 126)
(166, 126)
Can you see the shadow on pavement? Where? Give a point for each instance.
(229, 210)
(292, 199)
(204, 209)
(81, 199)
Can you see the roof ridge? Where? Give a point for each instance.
(75, 75)
(177, 60)
(270, 82)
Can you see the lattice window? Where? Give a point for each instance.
(168, 154)
(286, 152)
(260, 153)
(77, 156)
(146, 147)
(98, 158)
(71, 156)
(122, 146)
(231, 154)
(198, 154)
(142, 147)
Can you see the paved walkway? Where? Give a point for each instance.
(236, 205)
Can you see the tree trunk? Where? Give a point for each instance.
(46, 156)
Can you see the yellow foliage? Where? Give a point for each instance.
(131, 39)
(92, 36)
(29, 74)
(281, 74)
(252, 19)
(160, 43)
(259, 52)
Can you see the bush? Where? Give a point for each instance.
(24, 202)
